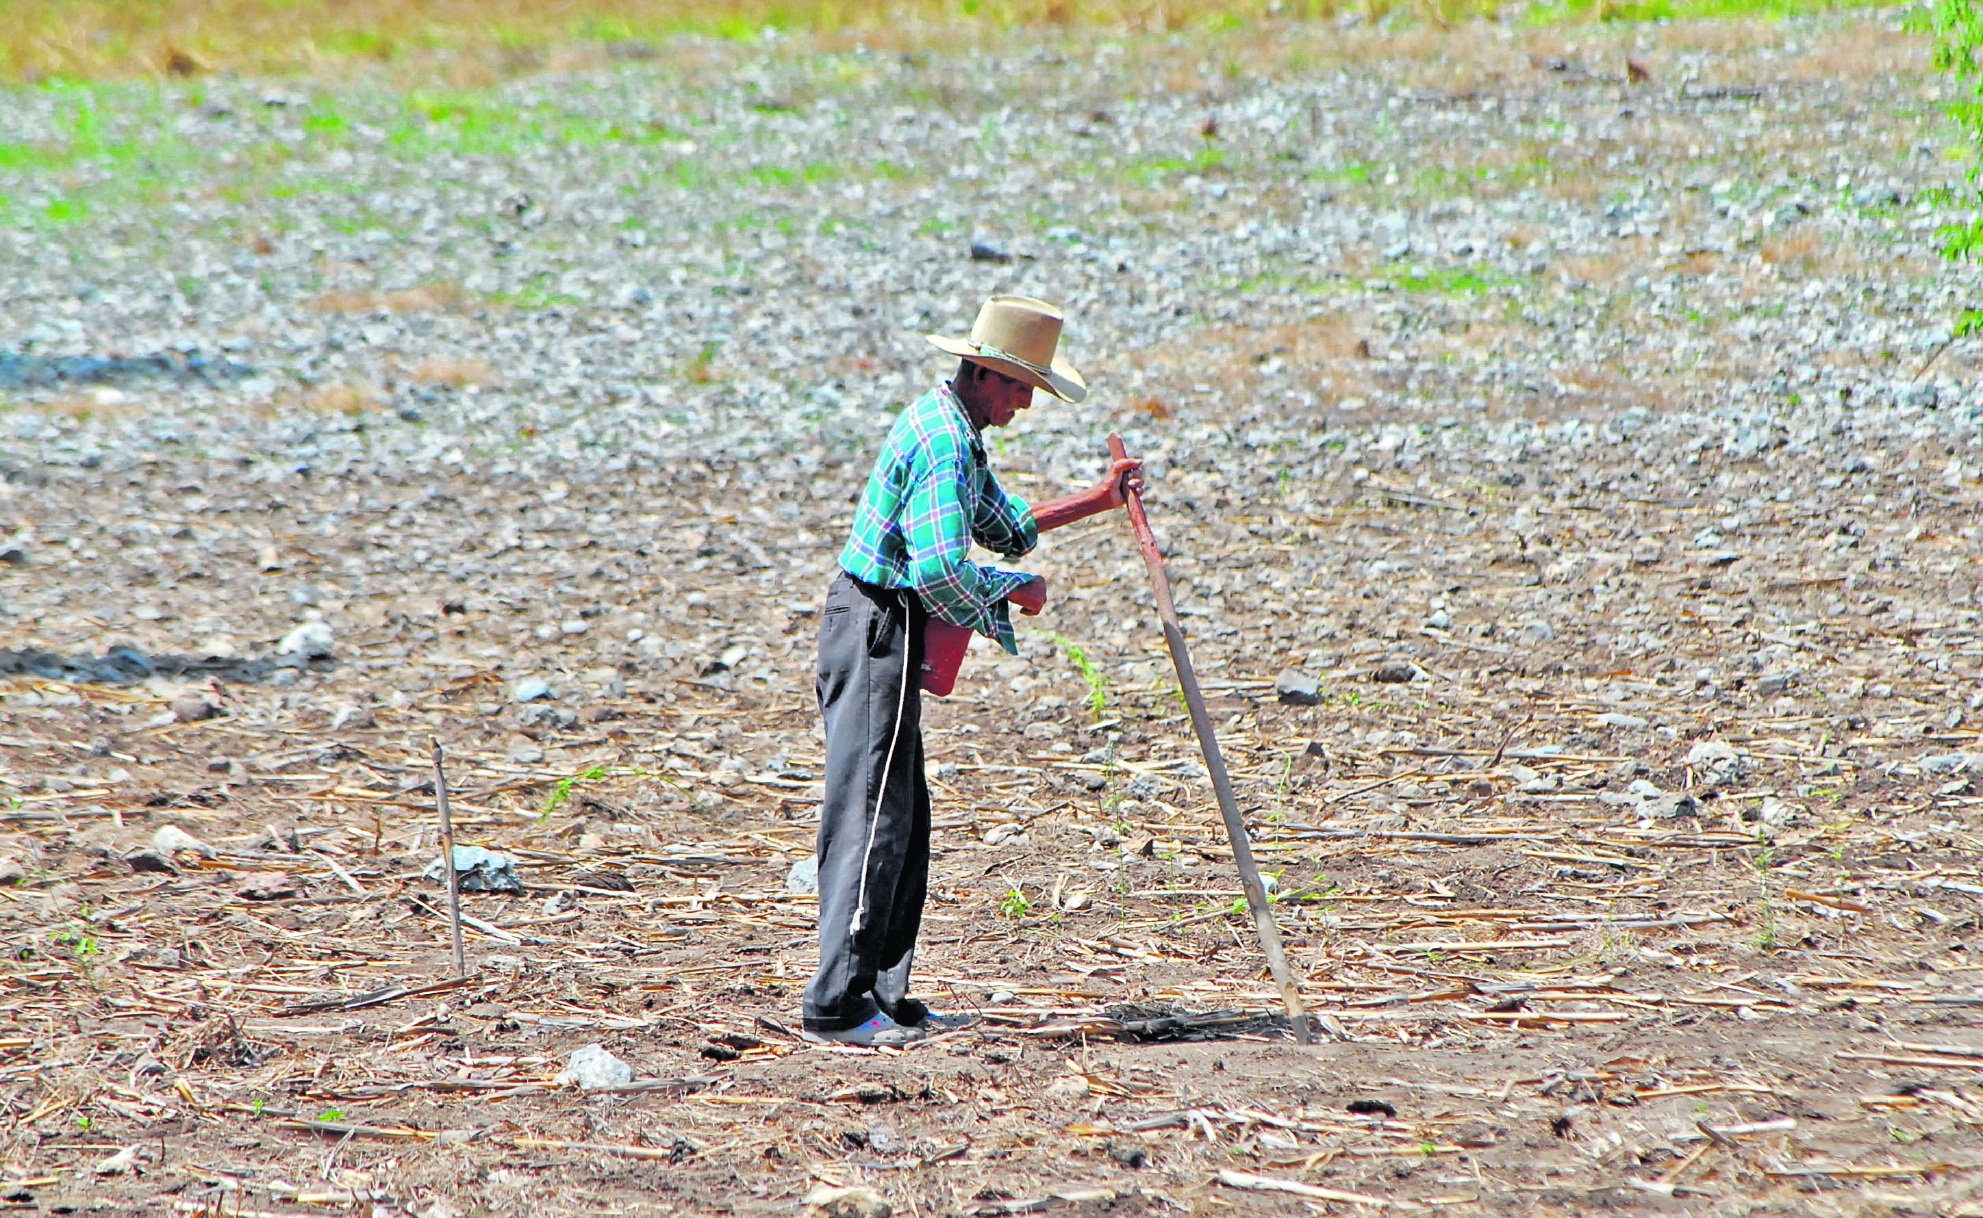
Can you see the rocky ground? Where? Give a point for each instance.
(1570, 408)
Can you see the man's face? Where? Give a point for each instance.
(1000, 397)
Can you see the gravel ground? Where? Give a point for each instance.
(1574, 406)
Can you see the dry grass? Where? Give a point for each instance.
(100, 403)
(341, 398)
(476, 42)
(452, 371)
(427, 298)
(186, 37)
(1805, 251)
(1601, 269)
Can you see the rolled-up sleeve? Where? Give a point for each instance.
(1005, 522)
(938, 530)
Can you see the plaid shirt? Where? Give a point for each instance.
(930, 496)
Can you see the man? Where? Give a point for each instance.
(930, 496)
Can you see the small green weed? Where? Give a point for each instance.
(1014, 905)
(82, 949)
(562, 791)
(1098, 685)
(1765, 939)
(1957, 27)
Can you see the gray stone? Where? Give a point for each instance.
(1394, 672)
(850, 1201)
(885, 1139)
(1778, 814)
(1620, 719)
(267, 886)
(803, 875)
(479, 870)
(1535, 631)
(591, 1067)
(1296, 688)
(1950, 763)
(541, 714)
(1771, 683)
(191, 708)
(530, 689)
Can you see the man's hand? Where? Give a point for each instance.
(1127, 472)
(1031, 596)
(1106, 494)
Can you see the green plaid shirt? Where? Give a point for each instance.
(930, 496)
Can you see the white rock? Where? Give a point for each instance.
(308, 640)
(1005, 831)
(590, 1067)
(171, 839)
(1068, 1088)
(1713, 755)
(120, 1163)
(531, 688)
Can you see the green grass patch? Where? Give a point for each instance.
(1573, 11)
(1354, 174)
(1152, 173)
(1448, 281)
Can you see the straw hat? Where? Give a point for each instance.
(1016, 335)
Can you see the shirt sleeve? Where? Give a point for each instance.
(938, 532)
(1005, 522)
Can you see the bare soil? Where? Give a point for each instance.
(1653, 887)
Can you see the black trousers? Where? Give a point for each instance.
(874, 823)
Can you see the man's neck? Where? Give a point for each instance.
(970, 412)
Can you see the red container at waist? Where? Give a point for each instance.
(943, 654)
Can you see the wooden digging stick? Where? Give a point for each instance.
(1194, 700)
(447, 847)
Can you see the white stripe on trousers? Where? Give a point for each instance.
(887, 765)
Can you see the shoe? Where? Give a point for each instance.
(879, 1031)
(936, 1025)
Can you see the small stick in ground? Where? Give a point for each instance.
(447, 867)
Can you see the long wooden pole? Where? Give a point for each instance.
(1201, 722)
(447, 846)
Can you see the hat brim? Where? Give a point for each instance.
(1061, 380)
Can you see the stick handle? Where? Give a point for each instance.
(447, 866)
(1215, 765)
